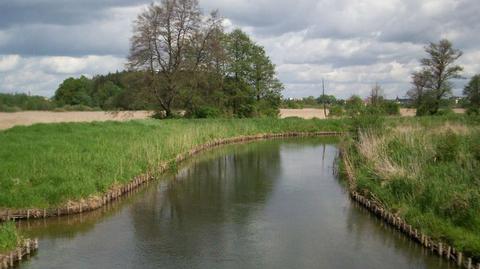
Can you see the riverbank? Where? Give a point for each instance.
(424, 171)
(47, 166)
(12, 247)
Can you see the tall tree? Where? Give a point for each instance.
(162, 36)
(252, 87)
(432, 84)
(472, 91)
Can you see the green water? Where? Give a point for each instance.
(269, 204)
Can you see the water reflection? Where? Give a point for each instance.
(269, 204)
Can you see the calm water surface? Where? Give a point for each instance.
(269, 204)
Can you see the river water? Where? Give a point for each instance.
(268, 204)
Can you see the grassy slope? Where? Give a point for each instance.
(48, 164)
(8, 237)
(427, 170)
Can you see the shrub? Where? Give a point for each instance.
(448, 146)
(391, 108)
(206, 112)
(335, 111)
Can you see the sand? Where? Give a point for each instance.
(8, 120)
(306, 113)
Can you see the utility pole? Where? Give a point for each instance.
(323, 98)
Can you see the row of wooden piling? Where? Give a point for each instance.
(115, 193)
(23, 251)
(442, 249)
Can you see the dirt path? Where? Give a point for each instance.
(8, 120)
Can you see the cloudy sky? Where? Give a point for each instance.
(352, 44)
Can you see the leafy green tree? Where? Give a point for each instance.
(74, 92)
(251, 84)
(107, 95)
(432, 83)
(472, 91)
(354, 105)
(327, 99)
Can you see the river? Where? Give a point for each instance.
(267, 204)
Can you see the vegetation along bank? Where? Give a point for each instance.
(425, 171)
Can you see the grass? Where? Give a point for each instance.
(46, 165)
(8, 237)
(427, 171)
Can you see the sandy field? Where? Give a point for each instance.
(309, 113)
(306, 113)
(410, 112)
(8, 120)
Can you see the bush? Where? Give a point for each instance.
(445, 112)
(206, 112)
(448, 146)
(473, 111)
(5, 108)
(335, 111)
(391, 108)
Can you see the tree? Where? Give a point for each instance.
(432, 83)
(376, 96)
(472, 91)
(163, 45)
(355, 105)
(74, 92)
(251, 84)
(327, 99)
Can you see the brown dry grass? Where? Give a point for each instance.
(8, 120)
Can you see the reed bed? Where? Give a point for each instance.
(47, 165)
(426, 171)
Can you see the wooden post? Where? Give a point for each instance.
(44, 213)
(19, 254)
(469, 263)
(440, 248)
(28, 246)
(449, 250)
(459, 258)
(28, 213)
(11, 259)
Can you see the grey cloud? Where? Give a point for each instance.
(66, 12)
(352, 43)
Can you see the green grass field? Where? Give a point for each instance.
(426, 170)
(46, 165)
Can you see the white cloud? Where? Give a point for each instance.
(351, 43)
(42, 75)
(8, 62)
